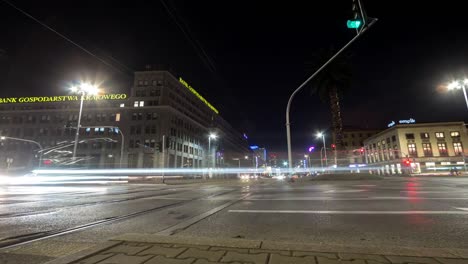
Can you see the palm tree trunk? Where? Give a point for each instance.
(337, 123)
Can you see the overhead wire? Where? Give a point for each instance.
(71, 41)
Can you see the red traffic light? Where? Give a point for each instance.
(407, 162)
(362, 150)
(333, 146)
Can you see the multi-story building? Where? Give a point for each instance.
(351, 153)
(416, 148)
(162, 122)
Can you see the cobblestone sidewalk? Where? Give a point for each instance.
(151, 249)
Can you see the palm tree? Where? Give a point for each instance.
(330, 84)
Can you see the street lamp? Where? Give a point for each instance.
(308, 160)
(30, 141)
(322, 135)
(211, 136)
(459, 85)
(82, 89)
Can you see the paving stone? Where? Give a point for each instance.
(192, 246)
(350, 256)
(95, 259)
(127, 249)
(317, 254)
(281, 252)
(163, 251)
(164, 260)
(452, 261)
(124, 259)
(8, 258)
(404, 259)
(202, 261)
(202, 254)
(238, 250)
(279, 259)
(241, 257)
(322, 260)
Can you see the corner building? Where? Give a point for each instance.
(162, 122)
(418, 148)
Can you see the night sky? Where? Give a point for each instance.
(247, 57)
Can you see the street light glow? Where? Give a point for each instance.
(85, 88)
(453, 85)
(319, 134)
(213, 136)
(2, 138)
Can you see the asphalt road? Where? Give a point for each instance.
(407, 212)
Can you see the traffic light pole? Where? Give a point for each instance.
(288, 107)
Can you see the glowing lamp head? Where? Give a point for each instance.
(213, 136)
(2, 138)
(319, 135)
(453, 85)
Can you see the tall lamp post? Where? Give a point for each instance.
(322, 135)
(30, 141)
(82, 89)
(211, 136)
(459, 85)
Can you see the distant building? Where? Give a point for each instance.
(351, 154)
(159, 106)
(418, 148)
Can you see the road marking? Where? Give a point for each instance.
(365, 185)
(459, 208)
(352, 199)
(344, 191)
(348, 212)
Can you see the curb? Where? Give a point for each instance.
(276, 245)
(455, 253)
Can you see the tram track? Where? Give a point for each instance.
(14, 241)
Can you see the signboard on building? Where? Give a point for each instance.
(404, 121)
(60, 98)
(198, 95)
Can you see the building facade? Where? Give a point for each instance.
(418, 148)
(351, 154)
(161, 122)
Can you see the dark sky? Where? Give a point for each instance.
(246, 57)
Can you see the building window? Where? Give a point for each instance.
(427, 149)
(122, 105)
(146, 82)
(140, 82)
(135, 104)
(352, 135)
(134, 116)
(147, 129)
(393, 138)
(140, 116)
(442, 149)
(412, 149)
(455, 134)
(185, 148)
(117, 117)
(409, 136)
(439, 135)
(424, 135)
(137, 143)
(153, 129)
(457, 147)
(345, 136)
(142, 103)
(155, 116)
(138, 130)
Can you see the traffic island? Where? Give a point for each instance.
(154, 249)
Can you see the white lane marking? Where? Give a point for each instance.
(451, 191)
(352, 199)
(344, 191)
(365, 185)
(347, 212)
(460, 208)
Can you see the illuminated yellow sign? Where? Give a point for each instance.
(61, 98)
(198, 95)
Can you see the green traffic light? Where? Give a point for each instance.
(353, 23)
